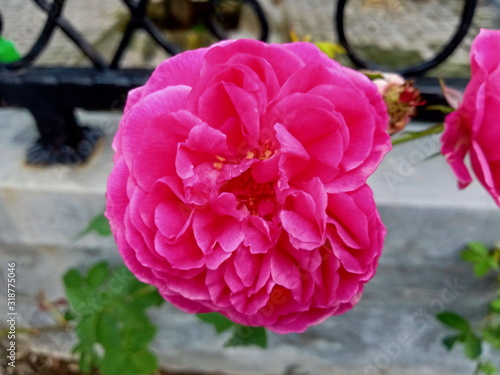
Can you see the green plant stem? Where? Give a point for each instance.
(410, 136)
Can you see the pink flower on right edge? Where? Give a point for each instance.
(474, 128)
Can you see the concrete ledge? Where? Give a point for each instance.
(391, 331)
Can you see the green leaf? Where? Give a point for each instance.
(479, 255)
(491, 334)
(450, 341)
(442, 108)
(220, 322)
(244, 336)
(108, 333)
(86, 362)
(130, 315)
(487, 368)
(111, 319)
(495, 305)
(73, 279)
(86, 329)
(373, 75)
(144, 362)
(138, 338)
(98, 274)
(478, 248)
(454, 321)
(148, 296)
(472, 346)
(8, 51)
(98, 224)
(69, 316)
(116, 362)
(482, 268)
(330, 49)
(78, 299)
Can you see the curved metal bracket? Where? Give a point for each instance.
(415, 70)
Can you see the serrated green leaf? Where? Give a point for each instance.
(454, 321)
(145, 362)
(118, 325)
(108, 332)
(73, 279)
(86, 329)
(482, 268)
(472, 346)
(85, 363)
(98, 274)
(78, 300)
(127, 281)
(148, 296)
(478, 248)
(491, 334)
(138, 338)
(116, 362)
(450, 341)
(479, 255)
(245, 336)
(98, 224)
(471, 256)
(130, 315)
(220, 322)
(487, 368)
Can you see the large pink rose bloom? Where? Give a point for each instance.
(239, 183)
(474, 128)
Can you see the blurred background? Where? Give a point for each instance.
(392, 331)
(393, 33)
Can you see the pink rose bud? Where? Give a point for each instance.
(239, 183)
(401, 98)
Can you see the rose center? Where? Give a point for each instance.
(259, 199)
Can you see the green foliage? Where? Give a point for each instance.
(112, 327)
(480, 256)
(486, 368)
(246, 336)
(8, 51)
(454, 321)
(220, 322)
(98, 224)
(373, 75)
(240, 335)
(483, 261)
(441, 108)
(330, 49)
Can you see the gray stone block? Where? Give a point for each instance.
(391, 331)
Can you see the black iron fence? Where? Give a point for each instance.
(51, 94)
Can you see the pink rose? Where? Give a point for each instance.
(239, 183)
(475, 127)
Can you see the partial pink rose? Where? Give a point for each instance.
(239, 183)
(474, 129)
